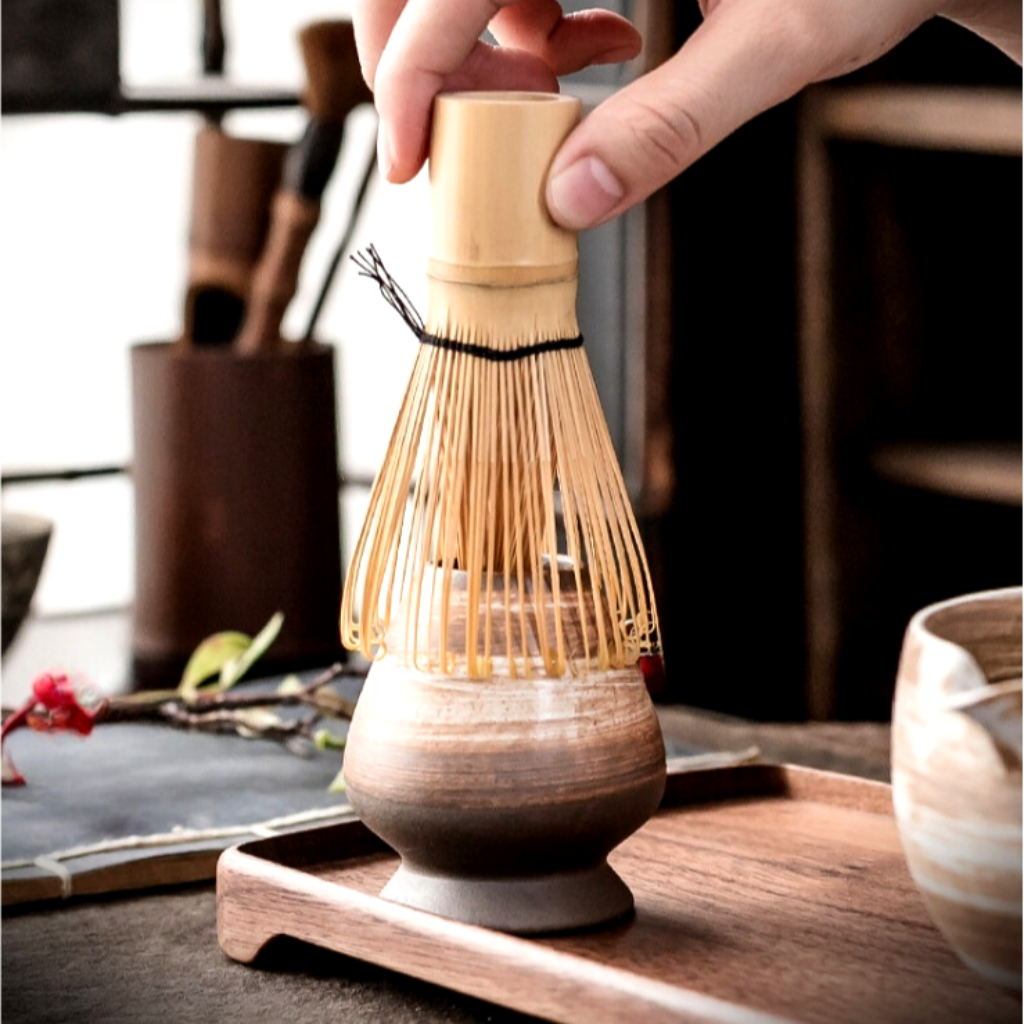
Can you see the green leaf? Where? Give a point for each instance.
(208, 659)
(289, 686)
(338, 785)
(236, 667)
(230, 654)
(253, 722)
(324, 739)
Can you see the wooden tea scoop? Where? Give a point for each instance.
(334, 87)
(233, 183)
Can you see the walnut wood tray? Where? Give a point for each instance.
(763, 893)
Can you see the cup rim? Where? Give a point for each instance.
(922, 619)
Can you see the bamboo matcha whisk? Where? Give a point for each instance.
(500, 426)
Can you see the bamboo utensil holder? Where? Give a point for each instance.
(504, 741)
(236, 503)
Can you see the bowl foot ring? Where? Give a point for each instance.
(523, 905)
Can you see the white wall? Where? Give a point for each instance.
(93, 233)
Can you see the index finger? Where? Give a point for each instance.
(373, 21)
(430, 39)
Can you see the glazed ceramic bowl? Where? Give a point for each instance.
(505, 795)
(24, 540)
(956, 774)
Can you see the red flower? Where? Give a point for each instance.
(653, 668)
(54, 706)
(54, 691)
(64, 712)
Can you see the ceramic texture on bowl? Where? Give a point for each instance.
(505, 795)
(25, 539)
(956, 773)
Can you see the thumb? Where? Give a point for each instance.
(730, 69)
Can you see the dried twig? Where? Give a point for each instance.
(229, 711)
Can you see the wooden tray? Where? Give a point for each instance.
(763, 893)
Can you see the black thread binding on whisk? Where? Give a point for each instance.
(372, 266)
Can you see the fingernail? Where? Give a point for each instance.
(583, 193)
(384, 160)
(617, 55)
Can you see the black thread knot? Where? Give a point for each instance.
(372, 266)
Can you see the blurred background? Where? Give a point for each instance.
(807, 347)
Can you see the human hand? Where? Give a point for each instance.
(411, 50)
(747, 56)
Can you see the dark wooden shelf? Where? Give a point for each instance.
(204, 95)
(865, 239)
(980, 472)
(976, 120)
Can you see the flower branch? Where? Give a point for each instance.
(203, 701)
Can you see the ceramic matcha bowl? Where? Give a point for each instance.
(956, 774)
(25, 539)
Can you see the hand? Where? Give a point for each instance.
(747, 56)
(411, 50)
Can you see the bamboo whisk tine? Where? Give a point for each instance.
(500, 422)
